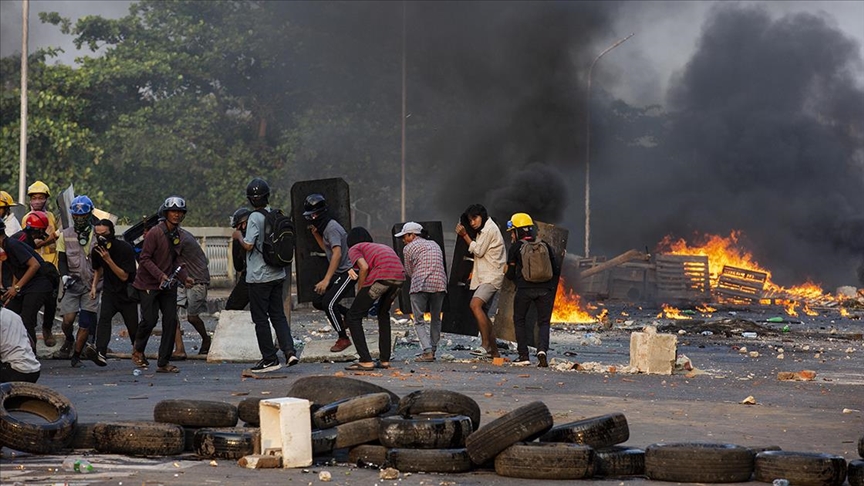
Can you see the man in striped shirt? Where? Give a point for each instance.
(380, 276)
(424, 263)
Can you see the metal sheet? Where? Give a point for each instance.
(556, 236)
(310, 260)
(436, 234)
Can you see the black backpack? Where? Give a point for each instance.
(277, 246)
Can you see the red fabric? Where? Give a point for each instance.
(383, 262)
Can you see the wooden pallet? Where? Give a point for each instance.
(740, 285)
(682, 278)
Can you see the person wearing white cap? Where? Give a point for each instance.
(424, 263)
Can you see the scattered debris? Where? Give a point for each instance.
(804, 375)
(751, 400)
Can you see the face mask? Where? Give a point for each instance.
(104, 241)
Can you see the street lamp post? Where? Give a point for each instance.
(22, 162)
(588, 147)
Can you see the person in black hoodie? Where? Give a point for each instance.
(536, 281)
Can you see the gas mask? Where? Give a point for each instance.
(82, 229)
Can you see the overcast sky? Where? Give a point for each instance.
(637, 71)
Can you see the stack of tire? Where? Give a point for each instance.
(856, 468)
(705, 462)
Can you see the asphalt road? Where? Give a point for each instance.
(697, 406)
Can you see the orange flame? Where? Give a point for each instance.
(670, 312)
(844, 312)
(705, 309)
(568, 307)
(727, 251)
(791, 307)
(807, 310)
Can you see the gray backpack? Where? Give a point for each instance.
(536, 262)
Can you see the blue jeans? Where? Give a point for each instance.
(428, 333)
(265, 303)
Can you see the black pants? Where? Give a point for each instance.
(111, 304)
(265, 303)
(543, 299)
(7, 373)
(239, 298)
(27, 306)
(340, 286)
(362, 302)
(154, 302)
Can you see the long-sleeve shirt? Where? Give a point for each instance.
(489, 256)
(424, 263)
(158, 258)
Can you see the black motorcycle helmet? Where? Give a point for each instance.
(258, 192)
(239, 216)
(314, 206)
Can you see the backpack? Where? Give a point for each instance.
(536, 262)
(277, 246)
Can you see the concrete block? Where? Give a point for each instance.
(286, 429)
(318, 351)
(653, 353)
(234, 339)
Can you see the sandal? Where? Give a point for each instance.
(359, 367)
(481, 351)
(168, 369)
(381, 366)
(178, 357)
(140, 361)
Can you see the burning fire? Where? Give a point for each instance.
(791, 307)
(568, 307)
(705, 309)
(670, 312)
(727, 251)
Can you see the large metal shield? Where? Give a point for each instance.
(436, 234)
(311, 261)
(556, 236)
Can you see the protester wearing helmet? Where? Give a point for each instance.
(487, 274)
(266, 284)
(158, 276)
(532, 266)
(46, 247)
(76, 272)
(239, 298)
(335, 284)
(9, 220)
(26, 288)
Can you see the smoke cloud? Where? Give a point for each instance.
(766, 136)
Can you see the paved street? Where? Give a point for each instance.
(701, 405)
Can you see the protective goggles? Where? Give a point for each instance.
(175, 203)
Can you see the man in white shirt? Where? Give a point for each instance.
(17, 360)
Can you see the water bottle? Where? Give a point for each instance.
(82, 466)
(781, 482)
(136, 372)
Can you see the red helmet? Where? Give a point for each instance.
(37, 220)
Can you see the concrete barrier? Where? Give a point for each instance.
(234, 339)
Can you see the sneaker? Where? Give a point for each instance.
(94, 356)
(425, 358)
(341, 345)
(292, 360)
(265, 366)
(541, 357)
(76, 362)
(522, 361)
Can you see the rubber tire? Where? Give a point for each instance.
(525, 423)
(698, 462)
(619, 461)
(189, 438)
(357, 432)
(247, 411)
(351, 409)
(42, 438)
(855, 473)
(374, 456)
(196, 413)
(757, 449)
(597, 432)
(448, 432)
(545, 460)
(227, 443)
(444, 401)
(139, 438)
(323, 441)
(322, 390)
(82, 437)
(801, 468)
(429, 460)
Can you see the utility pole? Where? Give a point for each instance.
(22, 166)
(404, 98)
(588, 147)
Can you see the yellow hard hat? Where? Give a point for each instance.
(6, 200)
(38, 187)
(520, 220)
